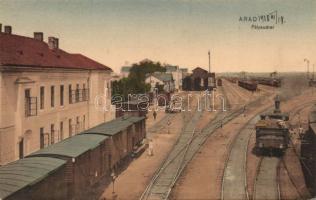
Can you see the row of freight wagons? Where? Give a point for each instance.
(308, 153)
(71, 168)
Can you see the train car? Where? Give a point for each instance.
(272, 131)
(86, 162)
(312, 83)
(73, 166)
(137, 107)
(249, 85)
(33, 178)
(308, 152)
(126, 133)
(219, 82)
(274, 82)
(164, 99)
(232, 79)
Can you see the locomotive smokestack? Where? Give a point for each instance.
(277, 104)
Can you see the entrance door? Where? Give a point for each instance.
(21, 148)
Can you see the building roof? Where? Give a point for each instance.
(72, 147)
(163, 76)
(171, 68)
(184, 70)
(115, 126)
(126, 69)
(22, 173)
(199, 69)
(28, 52)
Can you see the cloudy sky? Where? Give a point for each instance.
(180, 32)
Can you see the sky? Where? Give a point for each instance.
(178, 32)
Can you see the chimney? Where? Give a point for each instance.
(53, 43)
(7, 29)
(38, 36)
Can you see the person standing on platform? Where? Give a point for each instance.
(151, 148)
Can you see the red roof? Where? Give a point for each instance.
(24, 51)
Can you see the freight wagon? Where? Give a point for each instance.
(33, 178)
(132, 107)
(312, 83)
(70, 169)
(272, 132)
(219, 82)
(249, 85)
(274, 82)
(232, 79)
(308, 153)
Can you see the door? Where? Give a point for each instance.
(21, 148)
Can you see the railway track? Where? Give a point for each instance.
(184, 150)
(165, 177)
(162, 123)
(236, 96)
(267, 181)
(234, 181)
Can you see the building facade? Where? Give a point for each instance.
(125, 70)
(161, 78)
(200, 79)
(176, 74)
(47, 94)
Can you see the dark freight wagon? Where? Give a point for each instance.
(272, 131)
(274, 82)
(33, 178)
(86, 161)
(219, 82)
(249, 85)
(164, 99)
(125, 135)
(132, 108)
(69, 169)
(308, 153)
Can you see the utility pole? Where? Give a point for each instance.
(209, 61)
(313, 70)
(307, 62)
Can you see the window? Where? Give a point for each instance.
(77, 125)
(27, 95)
(61, 130)
(84, 122)
(30, 104)
(70, 127)
(62, 95)
(42, 138)
(77, 93)
(84, 95)
(42, 97)
(70, 94)
(52, 134)
(52, 96)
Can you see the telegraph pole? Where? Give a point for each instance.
(313, 70)
(209, 61)
(307, 62)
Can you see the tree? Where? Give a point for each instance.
(135, 82)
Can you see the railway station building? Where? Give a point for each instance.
(46, 94)
(199, 80)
